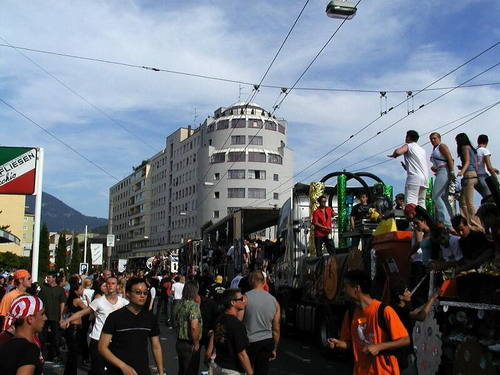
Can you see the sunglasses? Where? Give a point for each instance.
(238, 299)
(140, 292)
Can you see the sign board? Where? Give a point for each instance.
(110, 240)
(122, 265)
(96, 250)
(17, 170)
(174, 266)
(84, 268)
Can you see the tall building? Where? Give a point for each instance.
(237, 158)
(28, 228)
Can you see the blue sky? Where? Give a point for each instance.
(388, 45)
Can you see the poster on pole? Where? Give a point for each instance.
(96, 250)
(18, 170)
(122, 265)
(110, 240)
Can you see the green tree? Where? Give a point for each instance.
(76, 256)
(9, 261)
(61, 252)
(43, 255)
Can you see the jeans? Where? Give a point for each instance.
(482, 187)
(97, 361)
(415, 194)
(467, 207)
(73, 339)
(329, 244)
(51, 335)
(189, 360)
(259, 353)
(440, 197)
(83, 341)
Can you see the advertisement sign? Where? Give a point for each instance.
(122, 265)
(97, 252)
(84, 268)
(17, 170)
(110, 240)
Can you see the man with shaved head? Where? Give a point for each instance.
(262, 321)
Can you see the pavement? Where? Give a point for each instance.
(296, 356)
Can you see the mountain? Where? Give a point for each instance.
(58, 215)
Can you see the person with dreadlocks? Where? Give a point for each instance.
(21, 353)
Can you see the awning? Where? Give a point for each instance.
(8, 237)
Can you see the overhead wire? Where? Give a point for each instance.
(74, 92)
(286, 93)
(57, 138)
(228, 80)
(363, 128)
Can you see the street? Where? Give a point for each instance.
(295, 356)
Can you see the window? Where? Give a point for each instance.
(236, 192)
(216, 176)
(210, 128)
(216, 195)
(238, 123)
(256, 174)
(275, 159)
(257, 157)
(210, 142)
(255, 124)
(238, 139)
(222, 124)
(276, 196)
(236, 174)
(270, 125)
(256, 193)
(276, 177)
(216, 214)
(255, 140)
(281, 128)
(236, 156)
(218, 157)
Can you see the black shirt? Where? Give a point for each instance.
(209, 313)
(130, 337)
(474, 245)
(230, 338)
(18, 352)
(360, 211)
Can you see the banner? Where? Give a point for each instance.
(97, 251)
(17, 170)
(122, 265)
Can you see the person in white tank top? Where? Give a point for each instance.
(442, 166)
(415, 165)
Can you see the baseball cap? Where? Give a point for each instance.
(22, 307)
(21, 274)
(410, 208)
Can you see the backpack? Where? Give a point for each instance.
(401, 354)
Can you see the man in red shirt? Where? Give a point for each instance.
(322, 221)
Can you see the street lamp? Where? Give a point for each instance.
(341, 9)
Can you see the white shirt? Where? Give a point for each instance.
(88, 293)
(453, 251)
(152, 292)
(247, 249)
(481, 153)
(102, 308)
(417, 169)
(177, 289)
(236, 281)
(230, 252)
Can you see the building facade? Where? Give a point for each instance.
(28, 229)
(237, 158)
(12, 217)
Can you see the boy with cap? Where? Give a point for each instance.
(21, 353)
(22, 281)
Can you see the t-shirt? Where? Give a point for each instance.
(363, 329)
(209, 313)
(102, 308)
(474, 245)
(7, 300)
(131, 333)
(19, 352)
(417, 170)
(453, 251)
(177, 289)
(230, 338)
(481, 153)
(184, 313)
(236, 281)
(324, 219)
(52, 297)
(89, 293)
(259, 313)
(360, 211)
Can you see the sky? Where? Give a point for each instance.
(117, 116)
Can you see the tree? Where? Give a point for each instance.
(9, 261)
(43, 255)
(76, 256)
(61, 252)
